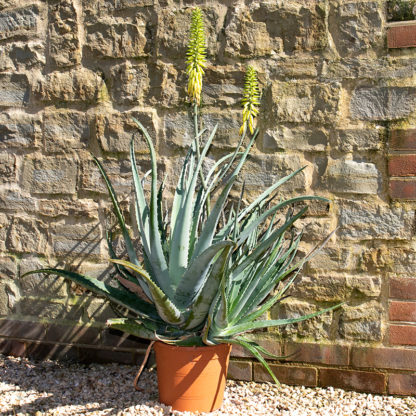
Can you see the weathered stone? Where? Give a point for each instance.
(115, 130)
(333, 259)
(173, 29)
(86, 208)
(353, 177)
(256, 31)
(314, 229)
(117, 38)
(76, 240)
(119, 173)
(292, 66)
(48, 310)
(15, 200)
(289, 138)
(382, 103)
(4, 230)
(354, 139)
(9, 296)
(51, 175)
(14, 90)
(130, 83)
(362, 322)
(64, 40)
(365, 221)
(40, 284)
(19, 130)
(356, 27)
(78, 85)
(318, 327)
(65, 130)
(263, 171)
(299, 102)
(98, 310)
(8, 267)
(22, 56)
(336, 288)
(19, 22)
(7, 168)
(27, 236)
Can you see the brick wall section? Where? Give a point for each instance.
(402, 164)
(72, 73)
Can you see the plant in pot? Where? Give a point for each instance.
(209, 272)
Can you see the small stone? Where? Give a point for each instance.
(18, 129)
(14, 90)
(355, 139)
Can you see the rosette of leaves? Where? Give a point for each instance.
(204, 276)
(401, 10)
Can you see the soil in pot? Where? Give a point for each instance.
(192, 378)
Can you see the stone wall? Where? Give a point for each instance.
(335, 100)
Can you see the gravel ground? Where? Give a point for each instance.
(52, 388)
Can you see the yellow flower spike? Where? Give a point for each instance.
(196, 56)
(250, 100)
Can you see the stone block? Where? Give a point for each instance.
(85, 208)
(382, 103)
(15, 200)
(352, 380)
(333, 259)
(39, 284)
(361, 322)
(299, 102)
(316, 328)
(173, 29)
(19, 22)
(52, 175)
(349, 176)
(50, 310)
(27, 236)
(368, 221)
(350, 140)
(8, 267)
(290, 138)
(64, 36)
(65, 130)
(18, 129)
(77, 85)
(335, 288)
(253, 31)
(76, 240)
(9, 297)
(14, 90)
(130, 83)
(8, 168)
(99, 311)
(356, 27)
(115, 131)
(20, 56)
(117, 38)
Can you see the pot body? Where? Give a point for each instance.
(192, 378)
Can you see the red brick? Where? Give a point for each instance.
(287, 374)
(403, 189)
(402, 335)
(402, 384)
(401, 36)
(403, 139)
(352, 380)
(402, 311)
(274, 347)
(403, 288)
(43, 351)
(22, 329)
(402, 165)
(240, 370)
(118, 339)
(12, 347)
(392, 358)
(95, 355)
(72, 334)
(317, 353)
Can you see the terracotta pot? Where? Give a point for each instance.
(192, 378)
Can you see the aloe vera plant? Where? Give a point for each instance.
(209, 272)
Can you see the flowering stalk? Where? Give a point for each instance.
(250, 100)
(196, 56)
